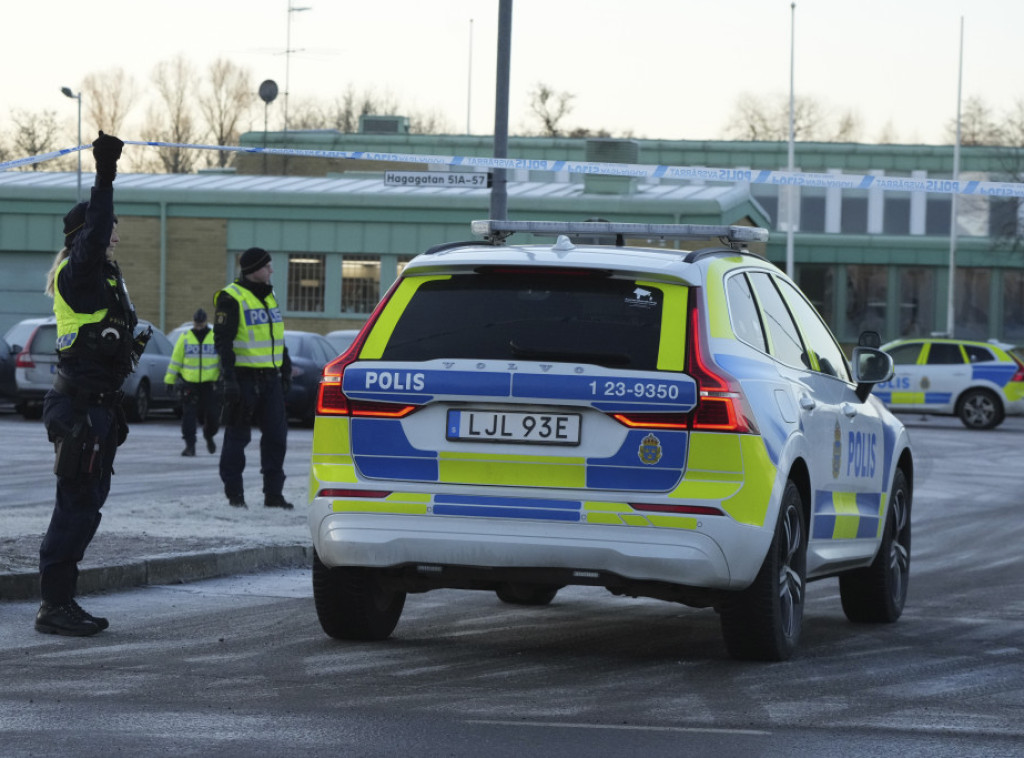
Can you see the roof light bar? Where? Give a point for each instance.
(497, 230)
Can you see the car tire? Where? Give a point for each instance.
(764, 621)
(351, 604)
(137, 405)
(878, 593)
(980, 409)
(516, 593)
(30, 411)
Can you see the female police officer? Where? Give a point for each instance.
(97, 348)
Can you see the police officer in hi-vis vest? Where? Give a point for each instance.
(97, 347)
(257, 373)
(193, 371)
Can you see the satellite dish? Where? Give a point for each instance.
(268, 91)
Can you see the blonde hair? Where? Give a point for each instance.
(51, 275)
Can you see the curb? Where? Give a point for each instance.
(174, 569)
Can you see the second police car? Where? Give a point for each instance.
(979, 382)
(661, 423)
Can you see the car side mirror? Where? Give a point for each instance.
(870, 366)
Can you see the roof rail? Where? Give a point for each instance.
(495, 231)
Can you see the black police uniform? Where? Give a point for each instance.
(82, 412)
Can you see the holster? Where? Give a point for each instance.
(79, 452)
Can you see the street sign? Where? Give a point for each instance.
(441, 179)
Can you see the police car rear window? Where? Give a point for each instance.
(536, 317)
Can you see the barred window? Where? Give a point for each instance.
(306, 283)
(360, 283)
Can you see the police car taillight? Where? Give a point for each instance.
(332, 401)
(24, 360)
(721, 405)
(1019, 375)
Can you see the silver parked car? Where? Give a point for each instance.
(35, 342)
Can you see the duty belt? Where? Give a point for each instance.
(67, 386)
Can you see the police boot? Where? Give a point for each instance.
(99, 621)
(211, 445)
(190, 450)
(67, 619)
(277, 501)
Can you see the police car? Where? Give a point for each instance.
(980, 382)
(660, 423)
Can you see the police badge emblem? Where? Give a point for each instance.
(650, 450)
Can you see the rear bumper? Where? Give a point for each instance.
(677, 556)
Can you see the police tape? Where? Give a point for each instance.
(635, 170)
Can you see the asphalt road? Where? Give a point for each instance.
(235, 666)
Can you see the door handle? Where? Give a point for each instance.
(849, 409)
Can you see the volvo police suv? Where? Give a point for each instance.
(607, 410)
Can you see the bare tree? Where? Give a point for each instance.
(758, 119)
(34, 133)
(344, 112)
(550, 107)
(172, 119)
(978, 124)
(887, 136)
(108, 97)
(224, 102)
(429, 122)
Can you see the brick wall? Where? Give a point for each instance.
(195, 265)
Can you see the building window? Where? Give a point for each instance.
(866, 293)
(812, 214)
(306, 283)
(360, 283)
(970, 320)
(855, 215)
(1013, 306)
(936, 220)
(897, 215)
(1002, 217)
(917, 302)
(770, 203)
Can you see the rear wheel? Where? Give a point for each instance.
(526, 594)
(980, 409)
(30, 411)
(763, 622)
(137, 406)
(351, 603)
(877, 594)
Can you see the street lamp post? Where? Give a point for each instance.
(68, 93)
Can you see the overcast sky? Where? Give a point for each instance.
(670, 69)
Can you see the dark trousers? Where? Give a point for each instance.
(76, 513)
(199, 400)
(262, 404)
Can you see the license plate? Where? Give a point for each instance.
(504, 426)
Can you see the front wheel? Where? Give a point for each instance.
(877, 594)
(980, 409)
(764, 621)
(351, 604)
(515, 593)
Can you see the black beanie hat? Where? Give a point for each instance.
(73, 222)
(253, 259)
(199, 315)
